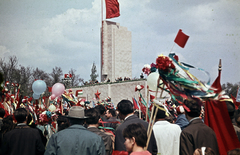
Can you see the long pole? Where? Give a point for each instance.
(147, 103)
(153, 108)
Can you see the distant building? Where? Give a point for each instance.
(116, 52)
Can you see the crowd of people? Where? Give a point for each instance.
(101, 130)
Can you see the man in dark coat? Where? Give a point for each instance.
(112, 121)
(22, 139)
(196, 134)
(93, 124)
(126, 113)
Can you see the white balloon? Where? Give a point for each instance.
(152, 81)
(52, 108)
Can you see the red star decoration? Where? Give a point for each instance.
(97, 95)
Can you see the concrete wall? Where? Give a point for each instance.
(117, 91)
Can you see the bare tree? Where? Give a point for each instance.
(231, 89)
(56, 74)
(8, 68)
(75, 78)
(24, 78)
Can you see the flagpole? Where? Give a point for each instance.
(101, 39)
(101, 10)
(172, 47)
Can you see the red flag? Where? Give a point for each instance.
(135, 106)
(217, 84)
(217, 117)
(112, 8)
(181, 38)
(50, 89)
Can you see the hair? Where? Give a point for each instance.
(160, 114)
(7, 125)
(234, 152)
(138, 132)
(237, 119)
(113, 112)
(74, 121)
(62, 122)
(194, 105)
(101, 109)
(125, 107)
(230, 108)
(208, 151)
(93, 116)
(2, 112)
(20, 115)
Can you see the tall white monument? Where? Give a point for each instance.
(116, 51)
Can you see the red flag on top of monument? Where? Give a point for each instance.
(181, 38)
(112, 8)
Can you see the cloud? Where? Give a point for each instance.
(67, 34)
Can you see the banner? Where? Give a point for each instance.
(112, 9)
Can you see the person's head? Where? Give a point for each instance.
(237, 119)
(62, 122)
(234, 152)
(110, 113)
(135, 135)
(124, 107)
(161, 114)
(7, 125)
(206, 150)
(101, 109)
(230, 108)
(194, 105)
(21, 115)
(2, 112)
(93, 116)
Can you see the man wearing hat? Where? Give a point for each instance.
(75, 139)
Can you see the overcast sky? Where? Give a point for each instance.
(66, 33)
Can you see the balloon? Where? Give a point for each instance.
(53, 96)
(35, 96)
(58, 89)
(52, 108)
(152, 81)
(39, 86)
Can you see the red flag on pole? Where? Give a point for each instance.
(217, 117)
(112, 8)
(181, 38)
(135, 106)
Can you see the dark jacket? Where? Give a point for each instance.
(106, 139)
(22, 140)
(119, 139)
(112, 122)
(197, 135)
